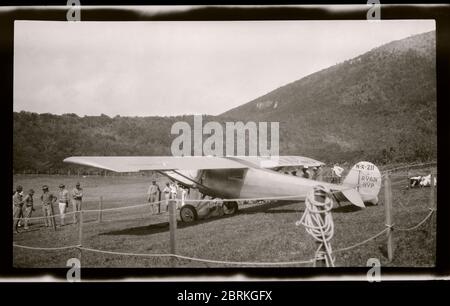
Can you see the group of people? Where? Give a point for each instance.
(23, 205)
(316, 173)
(170, 191)
(307, 172)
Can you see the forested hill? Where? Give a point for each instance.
(42, 141)
(379, 106)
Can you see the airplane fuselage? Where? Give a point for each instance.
(253, 183)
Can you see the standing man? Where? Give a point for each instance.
(173, 191)
(166, 192)
(337, 173)
(153, 192)
(18, 203)
(77, 197)
(28, 201)
(63, 202)
(184, 193)
(48, 199)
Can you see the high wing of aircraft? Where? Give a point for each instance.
(163, 163)
(244, 177)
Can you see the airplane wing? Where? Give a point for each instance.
(276, 161)
(141, 163)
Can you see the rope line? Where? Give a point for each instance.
(45, 249)
(417, 225)
(220, 261)
(96, 210)
(167, 255)
(362, 242)
(410, 166)
(179, 201)
(198, 259)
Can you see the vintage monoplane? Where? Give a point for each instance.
(243, 177)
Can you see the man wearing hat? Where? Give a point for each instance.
(153, 193)
(18, 203)
(337, 173)
(47, 199)
(166, 193)
(28, 201)
(77, 197)
(63, 202)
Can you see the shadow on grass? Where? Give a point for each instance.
(162, 227)
(346, 208)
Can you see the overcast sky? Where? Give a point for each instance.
(173, 68)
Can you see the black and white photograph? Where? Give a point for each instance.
(224, 144)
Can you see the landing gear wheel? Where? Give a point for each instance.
(188, 214)
(230, 208)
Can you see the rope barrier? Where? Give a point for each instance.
(224, 262)
(96, 210)
(168, 255)
(362, 242)
(42, 217)
(45, 249)
(410, 166)
(198, 259)
(419, 224)
(179, 201)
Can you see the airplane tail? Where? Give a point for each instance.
(365, 179)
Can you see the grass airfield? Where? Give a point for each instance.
(258, 233)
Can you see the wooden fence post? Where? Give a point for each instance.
(388, 211)
(100, 210)
(173, 226)
(80, 233)
(53, 217)
(432, 203)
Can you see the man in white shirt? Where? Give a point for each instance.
(166, 196)
(337, 173)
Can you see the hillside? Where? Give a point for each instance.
(379, 106)
(42, 141)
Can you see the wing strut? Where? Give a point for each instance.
(186, 177)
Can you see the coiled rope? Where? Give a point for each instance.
(318, 222)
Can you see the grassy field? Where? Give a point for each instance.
(263, 233)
